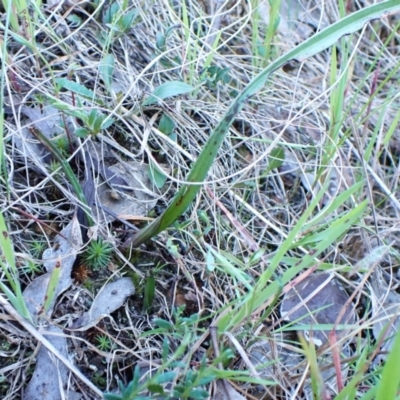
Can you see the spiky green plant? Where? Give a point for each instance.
(98, 254)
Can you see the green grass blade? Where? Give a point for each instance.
(10, 270)
(320, 41)
(388, 386)
(51, 289)
(259, 295)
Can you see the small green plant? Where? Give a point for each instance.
(213, 75)
(99, 380)
(94, 122)
(174, 378)
(37, 247)
(104, 343)
(62, 144)
(98, 254)
(119, 17)
(13, 292)
(30, 267)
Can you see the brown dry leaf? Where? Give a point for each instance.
(139, 202)
(124, 188)
(318, 299)
(111, 297)
(66, 247)
(50, 375)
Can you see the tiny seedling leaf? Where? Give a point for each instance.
(128, 19)
(276, 158)
(162, 323)
(154, 388)
(166, 377)
(210, 261)
(199, 394)
(156, 175)
(166, 125)
(82, 133)
(168, 89)
(107, 69)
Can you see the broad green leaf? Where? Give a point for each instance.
(128, 19)
(318, 42)
(276, 158)
(107, 122)
(92, 117)
(154, 388)
(162, 323)
(75, 87)
(166, 377)
(107, 70)
(166, 125)
(111, 13)
(168, 89)
(81, 132)
(199, 394)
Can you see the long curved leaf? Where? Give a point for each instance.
(320, 41)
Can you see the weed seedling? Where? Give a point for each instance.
(103, 342)
(37, 248)
(98, 254)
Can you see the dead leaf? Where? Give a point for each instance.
(318, 299)
(66, 246)
(139, 202)
(48, 122)
(111, 297)
(123, 188)
(50, 376)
